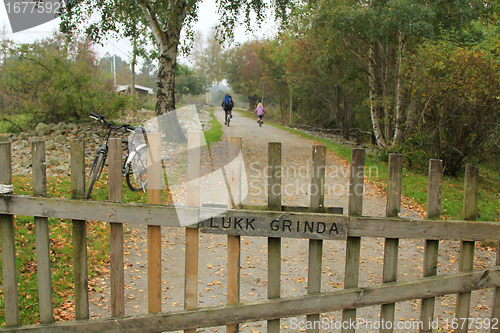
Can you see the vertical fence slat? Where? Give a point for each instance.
(154, 231)
(467, 247)
(391, 248)
(495, 311)
(42, 239)
(192, 234)
(233, 242)
(317, 204)
(353, 244)
(7, 230)
(116, 232)
(274, 243)
(434, 189)
(79, 232)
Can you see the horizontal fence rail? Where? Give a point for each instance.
(261, 221)
(281, 308)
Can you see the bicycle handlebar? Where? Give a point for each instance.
(110, 125)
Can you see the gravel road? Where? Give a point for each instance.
(297, 153)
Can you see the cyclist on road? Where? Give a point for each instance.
(260, 112)
(227, 105)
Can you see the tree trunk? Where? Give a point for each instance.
(165, 97)
(167, 38)
(373, 103)
(411, 116)
(398, 133)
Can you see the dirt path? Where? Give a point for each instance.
(297, 154)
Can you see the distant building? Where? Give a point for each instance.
(140, 90)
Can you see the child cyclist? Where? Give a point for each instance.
(260, 112)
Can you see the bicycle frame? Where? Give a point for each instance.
(102, 153)
(104, 150)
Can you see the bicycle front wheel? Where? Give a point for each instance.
(136, 170)
(95, 172)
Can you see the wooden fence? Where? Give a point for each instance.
(316, 223)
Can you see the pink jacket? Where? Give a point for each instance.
(260, 110)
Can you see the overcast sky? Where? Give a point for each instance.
(208, 18)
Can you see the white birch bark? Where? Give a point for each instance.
(373, 104)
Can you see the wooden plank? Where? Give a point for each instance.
(495, 310)
(42, 239)
(274, 243)
(7, 231)
(79, 232)
(154, 231)
(276, 224)
(353, 244)
(422, 229)
(434, 189)
(280, 308)
(115, 188)
(94, 210)
(234, 241)
(467, 248)
(192, 236)
(317, 201)
(356, 182)
(167, 216)
(391, 248)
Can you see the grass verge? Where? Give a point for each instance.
(214, 134)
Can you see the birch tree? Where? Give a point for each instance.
(165, 20)
(380, 34)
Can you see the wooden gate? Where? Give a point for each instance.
(316, 223)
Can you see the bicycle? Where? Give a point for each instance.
(228, 117)
(135, 159)
(260, 121)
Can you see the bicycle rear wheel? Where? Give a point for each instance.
(228, 119)
(95, 172)
(136, 174)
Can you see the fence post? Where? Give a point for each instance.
(192, 234)
(79, 232)
(391, 248)
(116, 232)
(495, 311)
(154, 231)
(7, 230)
(42, 240)
(467, 247)
(233, 241)
(356, 183)
(274, 243)
(434, 189)
(317, 203)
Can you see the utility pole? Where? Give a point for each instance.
(114, 65)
